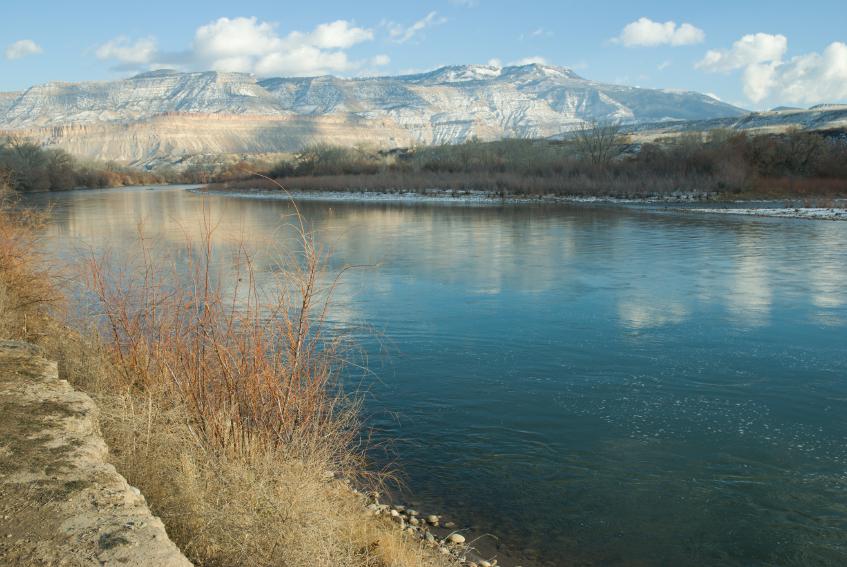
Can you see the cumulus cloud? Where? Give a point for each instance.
(751, 49)
(126, 51)
(766, 74)
(339, 34)
(22, 48)
(249, 45)
(814, 78)
(401, 34)
(644, 32)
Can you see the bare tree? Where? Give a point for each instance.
(599, 140)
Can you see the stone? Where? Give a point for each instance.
(456, 538)
(432, 519)
(450, 525)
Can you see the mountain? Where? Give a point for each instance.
(166, 116)
(826, 118)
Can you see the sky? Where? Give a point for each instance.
(753, 54)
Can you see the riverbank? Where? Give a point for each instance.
(296, 491)
(447, 196)
(686, 202)
(60, 501)
(811, 213)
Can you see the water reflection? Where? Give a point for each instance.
(596, 385)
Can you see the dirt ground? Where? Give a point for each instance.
(61, 504)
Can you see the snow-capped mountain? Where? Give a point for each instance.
(166, 115)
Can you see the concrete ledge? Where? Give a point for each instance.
(61, 503)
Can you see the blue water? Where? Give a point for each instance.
(594, 385)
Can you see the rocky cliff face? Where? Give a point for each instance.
(166, 114)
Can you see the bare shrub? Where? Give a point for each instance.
(225, 409)
(27, 287)
(599, 141)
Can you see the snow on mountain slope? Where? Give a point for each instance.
(447, 105)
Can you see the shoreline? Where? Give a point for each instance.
(485, 198)
(449, 196)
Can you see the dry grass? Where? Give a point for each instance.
(219, 402)
(26, 288)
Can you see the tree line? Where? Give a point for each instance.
(28, 167)
(598, 159)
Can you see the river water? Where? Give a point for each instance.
(594, 385)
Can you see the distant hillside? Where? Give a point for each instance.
(166, 116)
(821, 118)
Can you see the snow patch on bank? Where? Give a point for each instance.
(433, 196)
(814, 213)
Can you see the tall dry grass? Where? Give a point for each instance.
(253, 366)
(27, 288)
(218, 397)
(226, 409)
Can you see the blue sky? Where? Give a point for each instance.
(755, 54)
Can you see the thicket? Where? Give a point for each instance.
(596, 161)
(28, 167)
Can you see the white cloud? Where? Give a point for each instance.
(749, 50)
(644, 32)
(465, 3)
(339, 34)
(805, 79)
(537, 59)
(401, 34)
(249, 45)
(123, 50)
(301, 60)
(22, 48)
(380, 60)
(494, 62)
(663, 65)
(228, 39)
(814, 78)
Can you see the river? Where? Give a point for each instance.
(593, 384)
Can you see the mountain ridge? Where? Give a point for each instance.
(450, 104)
